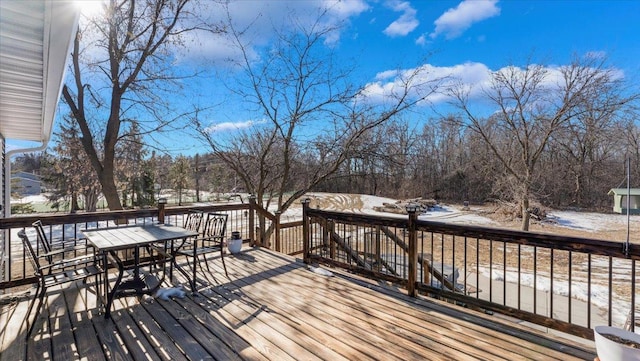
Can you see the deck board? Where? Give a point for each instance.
(319, 305)
(271, 308)
(406, 340)
(82, 325)
(13, 346)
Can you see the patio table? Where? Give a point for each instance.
(109, 241)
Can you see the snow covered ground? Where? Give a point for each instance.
(361, 203)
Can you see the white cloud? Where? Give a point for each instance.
(346, 8)
(406, 23)
(456, 20)
(231, 126)
(474, 76)
(421, 40)
(261, 20)
(387, 74)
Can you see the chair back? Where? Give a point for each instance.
(43, 242)
(215, 226)
(193, 220)
(31, 253)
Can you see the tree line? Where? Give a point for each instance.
(444, 160)
(441, 159)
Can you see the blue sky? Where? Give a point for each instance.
(465, 38)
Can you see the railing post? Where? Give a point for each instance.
(162, 202)
(412, 277)
(306, 239)
(277, 230)
(252, 224)
(378, 249)
(329, 230)
(325, 238)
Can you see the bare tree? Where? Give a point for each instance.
(131, 73)
(632, 130)
(130, 164)
(531, 105)
(67, 171)
(314, 115)
(180, 175)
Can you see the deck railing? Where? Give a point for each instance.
(69, 227)
(565, 283)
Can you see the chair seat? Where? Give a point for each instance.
(71, 275)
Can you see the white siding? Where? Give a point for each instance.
(3, 212)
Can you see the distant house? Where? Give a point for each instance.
(620, 200)
(26, 183)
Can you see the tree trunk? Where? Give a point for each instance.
(90, 201)
(110, 193)
(74, 202)
(526, 216)
(197, 162)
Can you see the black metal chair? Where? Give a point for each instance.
(69, 245)
(52, 269)
(76, 250)
(210, 239)
(192, 222)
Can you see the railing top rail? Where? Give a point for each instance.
(52, 219)
(358, 218)
(557, 242)
(565, 243)
(170, 211)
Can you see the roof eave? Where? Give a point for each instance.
(36, 37)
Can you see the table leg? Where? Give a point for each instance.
(194, 266)
(173, 261)
(136, 283)
(105, 283)
(111, 295)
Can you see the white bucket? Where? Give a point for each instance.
(234, 245)
(609, 350)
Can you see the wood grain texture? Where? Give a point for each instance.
(272, 308)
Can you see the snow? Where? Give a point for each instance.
(587, 221)
(40, 198)
(371, 202)
(579, 287)
(440, 213)
(449, 214)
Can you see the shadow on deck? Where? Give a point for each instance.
(273, 308)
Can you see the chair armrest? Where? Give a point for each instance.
(73, 241)
(70, 262)
(61, 251)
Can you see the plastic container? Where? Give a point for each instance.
(609, 350)
(234, 244)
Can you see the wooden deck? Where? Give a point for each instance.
(274, 308)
